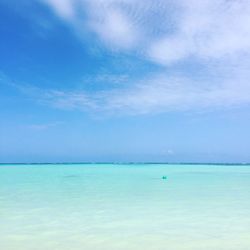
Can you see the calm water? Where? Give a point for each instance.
(113, 207)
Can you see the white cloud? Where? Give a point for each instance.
(43, 126)
(115, 28)
(106, 19)
(212, 33)
(168, 50)
(64, 8)
(161, 94)
(157, 94)
(165, 31)
(67, 100)
(207, 29)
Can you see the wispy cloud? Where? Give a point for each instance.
(206, 29)
(107, 79)
(66, 9)
(114, 28)
(43, 126)
(164, 31)
(157, 94)
(211, 33)
(163, 94)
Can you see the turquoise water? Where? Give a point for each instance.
(113, 207)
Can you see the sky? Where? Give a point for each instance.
(125, 81)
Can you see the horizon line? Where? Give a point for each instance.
(124, 163)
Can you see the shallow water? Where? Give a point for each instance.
(113, 207)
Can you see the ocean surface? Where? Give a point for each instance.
(128, 207)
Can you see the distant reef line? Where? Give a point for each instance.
(124, 163)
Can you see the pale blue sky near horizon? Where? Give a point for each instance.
(122, 80)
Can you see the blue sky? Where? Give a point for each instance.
(123, 80)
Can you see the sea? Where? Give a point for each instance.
(124, 207)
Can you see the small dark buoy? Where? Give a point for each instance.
(164, 177)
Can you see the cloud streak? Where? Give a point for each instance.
(43, 126)
(154, 95)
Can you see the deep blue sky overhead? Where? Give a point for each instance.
(123, 80)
